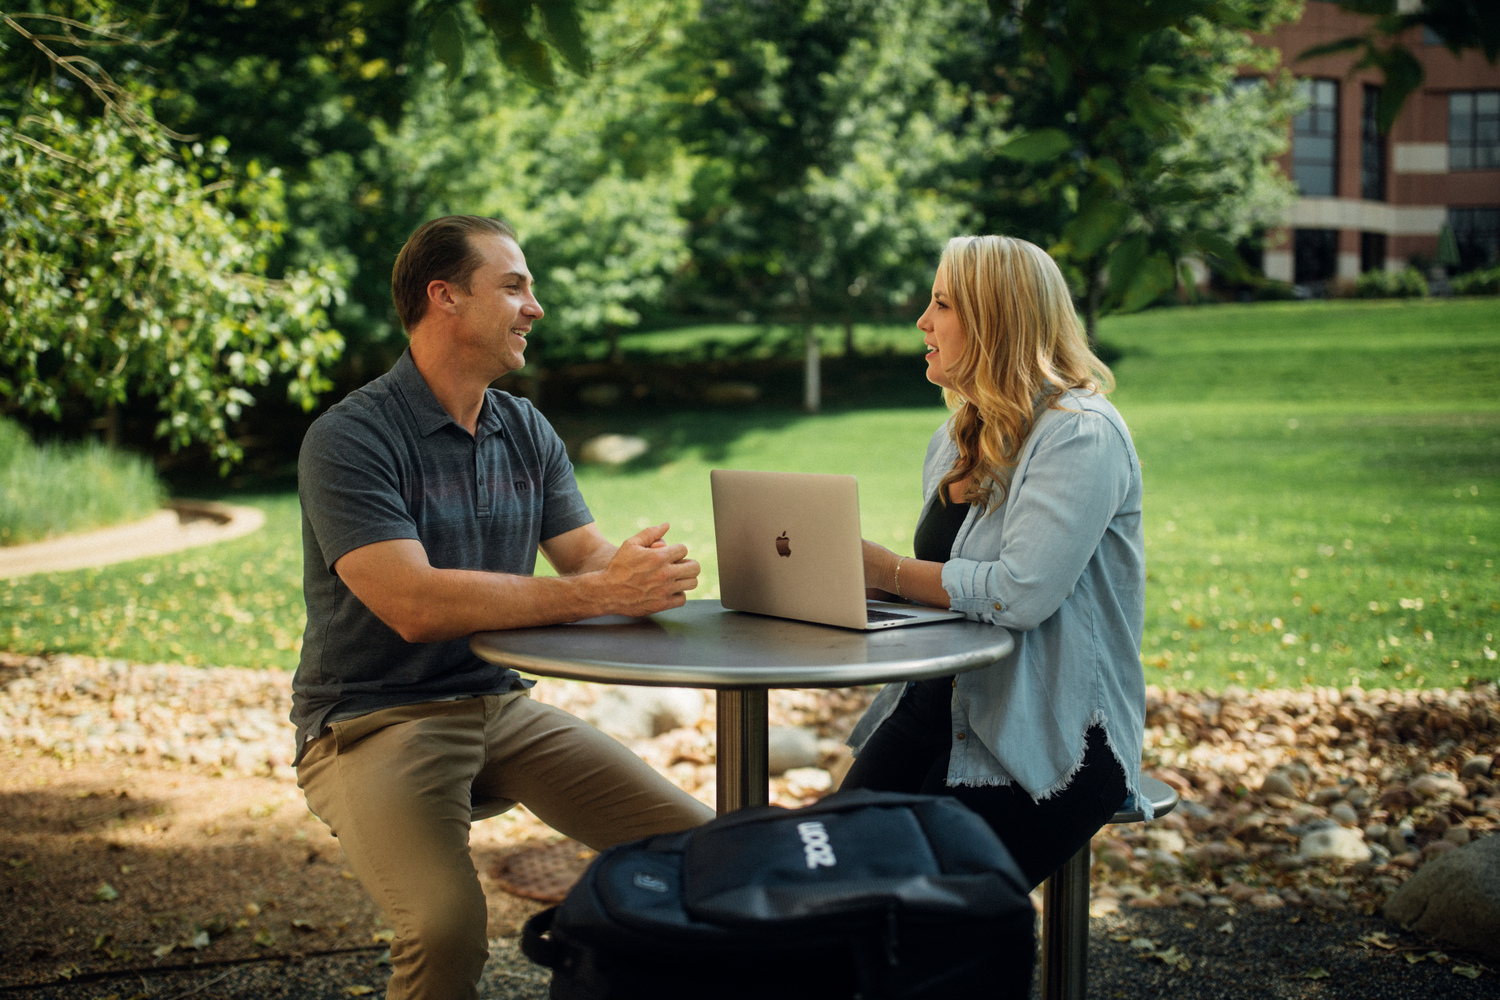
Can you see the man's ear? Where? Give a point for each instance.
(440, 295)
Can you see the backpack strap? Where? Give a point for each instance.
(535, 944)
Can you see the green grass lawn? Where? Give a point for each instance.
(1321, 484)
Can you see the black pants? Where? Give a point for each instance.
(909, 753)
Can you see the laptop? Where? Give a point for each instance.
(789, 546)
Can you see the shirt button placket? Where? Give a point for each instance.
(481, 495)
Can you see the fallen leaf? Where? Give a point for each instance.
(383, 937)
(1413, 959)
(1142, 943)
(306, 926)
(1227, 927)
(264, 938)
(106, 892)
(359, 991)
(1379, 939)
(346, 873)
(68, 972)
(1318, 973)
(102, 940)
(163, 950)
(252, 909)
(1122, 938)
(384, 959)
(1467, 971)
(199, 941)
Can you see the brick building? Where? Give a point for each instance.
(1371, 201)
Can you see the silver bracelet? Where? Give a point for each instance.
(899, 561)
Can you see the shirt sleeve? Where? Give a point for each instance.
(563, 507)
(350, 487)
(1070, 486)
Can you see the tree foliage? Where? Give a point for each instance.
(828, 142)
(1458, 24)
(588, 174)
(1128, 122)
(132, 266)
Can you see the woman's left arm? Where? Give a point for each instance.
(1075, 481)
(919, 580)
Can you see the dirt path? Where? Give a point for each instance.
(109, 866)
(184, 524)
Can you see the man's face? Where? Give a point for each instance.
(496, 313)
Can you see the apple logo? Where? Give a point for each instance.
(783, 545)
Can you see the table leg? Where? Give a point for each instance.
(743, 773)
(1065, 930)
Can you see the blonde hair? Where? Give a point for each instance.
(1023, 347)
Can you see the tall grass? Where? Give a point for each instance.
(56, 489)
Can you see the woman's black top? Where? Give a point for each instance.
(933, 541)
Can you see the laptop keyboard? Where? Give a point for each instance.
(884, 616)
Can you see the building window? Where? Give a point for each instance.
(1477, 233)
(1315, 255)
(1474, 130)
(1315, 137)
(1371, 149)
(1371, 252)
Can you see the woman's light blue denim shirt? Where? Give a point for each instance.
(1061, 564)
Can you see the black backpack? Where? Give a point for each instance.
(868, 895)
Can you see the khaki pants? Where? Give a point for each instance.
(399, 788)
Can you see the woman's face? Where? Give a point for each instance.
(942, 333)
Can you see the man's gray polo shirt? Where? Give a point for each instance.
(388, 462)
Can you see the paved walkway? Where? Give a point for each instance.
(184, 524)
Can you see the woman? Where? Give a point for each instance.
(1031, 521)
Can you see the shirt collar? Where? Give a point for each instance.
(425, 408)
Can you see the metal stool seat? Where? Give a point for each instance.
(1065, 906)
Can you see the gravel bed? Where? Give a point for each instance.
(1269, 779)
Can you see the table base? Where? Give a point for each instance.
(742, 764)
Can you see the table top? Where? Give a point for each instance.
(702, 645)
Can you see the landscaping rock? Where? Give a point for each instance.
(1455, 898)
(1334, 843)
(808, 781)
(1277, 783)
(1432, 786)
(1344, 814)
(633, 713)
(612, 449)
(1477, 767)
(791, 747)
(722, 393)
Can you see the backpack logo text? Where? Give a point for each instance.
(815, 845)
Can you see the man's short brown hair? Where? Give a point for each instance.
(440, 250)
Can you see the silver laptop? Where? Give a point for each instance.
(789, 546)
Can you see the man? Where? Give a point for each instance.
(425, 496)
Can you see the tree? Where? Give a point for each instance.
(589, 174)
(825, 134)
(1112, 98)
(1459, 24)
(132, 266)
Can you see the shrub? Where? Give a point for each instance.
(1485, 282)
(55, 489)
(1381, 284)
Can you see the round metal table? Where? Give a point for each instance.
(741, 656)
